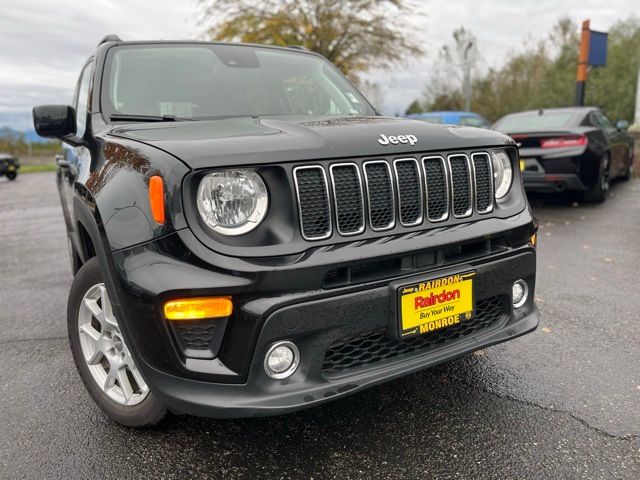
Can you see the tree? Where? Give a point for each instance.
(415, 107)
(356, 35)
(542, 75)
(451, 68)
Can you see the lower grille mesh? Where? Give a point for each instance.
(197, 336)
(374, 346)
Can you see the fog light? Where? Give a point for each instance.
(281, 360)
(519, 293)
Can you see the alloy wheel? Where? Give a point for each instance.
(105, 352)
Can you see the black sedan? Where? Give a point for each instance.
(576, 149)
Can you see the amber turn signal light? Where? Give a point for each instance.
(156, 198)
(198, 308)
(534, 240)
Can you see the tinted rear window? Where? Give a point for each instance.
(535, 121)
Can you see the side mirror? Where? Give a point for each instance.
(55, 121)
(622, 125)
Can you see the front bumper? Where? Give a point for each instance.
(283, 304)
(265, 397)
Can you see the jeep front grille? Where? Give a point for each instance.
(403, 192)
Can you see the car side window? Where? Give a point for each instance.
(82, 99)
(589, 121)
(606, 122)
(602, 121)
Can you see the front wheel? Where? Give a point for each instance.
(12, 175)
(102, 357)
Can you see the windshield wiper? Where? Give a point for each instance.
(145, 118)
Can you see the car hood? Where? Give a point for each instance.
(255, 140)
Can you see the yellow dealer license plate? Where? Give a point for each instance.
(436, 304)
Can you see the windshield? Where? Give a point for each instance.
(533, 121)
(211, 81)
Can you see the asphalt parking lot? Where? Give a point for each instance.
(563, 402)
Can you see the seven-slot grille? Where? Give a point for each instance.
(405, 190)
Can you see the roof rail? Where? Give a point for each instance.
(110, 38)
(298, 47)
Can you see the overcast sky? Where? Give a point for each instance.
(43, 43)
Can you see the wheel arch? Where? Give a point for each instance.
(93, 241)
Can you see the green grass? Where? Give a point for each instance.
(37, 168)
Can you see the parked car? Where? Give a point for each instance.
(249, 238)
(9, 165)
(577, 149)
(467, 119)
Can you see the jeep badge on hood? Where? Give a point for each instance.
(384, 140)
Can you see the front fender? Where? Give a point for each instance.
(118, 186)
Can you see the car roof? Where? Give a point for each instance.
(285, 48)
(6, 155)
(441, 113)
(574, 110)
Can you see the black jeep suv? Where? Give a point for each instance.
(249, 237)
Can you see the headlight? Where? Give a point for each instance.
(502, 172)
(233, 201)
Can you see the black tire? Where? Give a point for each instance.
(598, 193)
(12, 175)
(149, 411)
